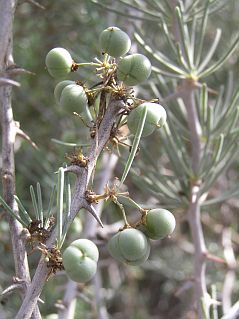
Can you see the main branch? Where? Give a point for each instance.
(78, 202)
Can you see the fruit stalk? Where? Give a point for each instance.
(78, 201)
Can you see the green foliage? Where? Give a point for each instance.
(162, 173)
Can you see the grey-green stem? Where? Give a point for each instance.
(9, 129)
(194, 213)
(78, 201)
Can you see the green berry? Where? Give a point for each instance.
(134, 69)
(73, 98)
(159, 223)
(130, 246)
(114, 42)
(80, 260)
(156, 116)
(58, 62)
(76, 227)
(59, 88)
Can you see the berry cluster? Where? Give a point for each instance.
(130, 70)
(132, 246)
(117, 73)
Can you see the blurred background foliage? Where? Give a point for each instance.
(162, 288)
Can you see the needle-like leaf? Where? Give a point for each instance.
(50, 206)
(39, 201)
(135, 145)
(22, 209)
(221, 61)
(59, 204)
(34, 203)
(11, 212)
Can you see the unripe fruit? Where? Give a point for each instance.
(114, 42)
(159, 223)
(73, 98)
(134, 69)
(80, 260)
(59, 88)
(156, 116)
(76, 227)
(130, 246)
(59, 62)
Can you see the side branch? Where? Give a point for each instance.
(194, 214)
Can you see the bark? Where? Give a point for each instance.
(78, 202)
(9, 127)
(194, 211)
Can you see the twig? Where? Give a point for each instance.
(200, 249)
(233, 313)
(108, 163)
(69, 301)
(230, 276)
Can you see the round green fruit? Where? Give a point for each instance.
(134, 69)
(59, 88)
(80, 260)
(159, 223)
(73, 98)
(156, 116)
(114, 42)
(76, 227)
(130, 246)
(58, 62)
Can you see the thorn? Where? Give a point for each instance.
(26, 137)
(59, 305)
(93, 212)
(5, 81)
(11, 289)
(13, 70)
(215, 259)
(37, 4)
(41, 301)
